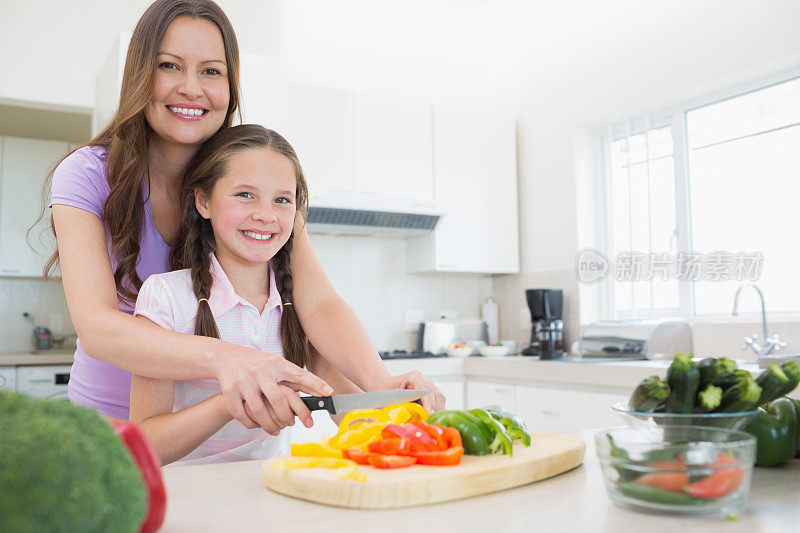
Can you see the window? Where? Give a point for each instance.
(701, 199)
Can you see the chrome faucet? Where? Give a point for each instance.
(774, 343)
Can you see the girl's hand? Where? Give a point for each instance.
(254, 379)
(295, 403)
(415, 380)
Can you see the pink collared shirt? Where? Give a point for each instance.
(169, 301)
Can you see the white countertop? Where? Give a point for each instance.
(232, 497)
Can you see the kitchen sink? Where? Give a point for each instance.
(763, 362)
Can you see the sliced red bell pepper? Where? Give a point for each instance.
(435, 431)
(391, 461)
(149, 464)
(725, 480)
(449, 457)
(356, 455)
(671, 481)
(419, 438)
(452, 437)
(390, 447)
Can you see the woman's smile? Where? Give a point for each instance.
(187, 111)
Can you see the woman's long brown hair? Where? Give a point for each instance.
(196, 238)
(126, 136)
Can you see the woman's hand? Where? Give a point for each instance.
(260, 389)
(415, 380)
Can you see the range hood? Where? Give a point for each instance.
(354, 214)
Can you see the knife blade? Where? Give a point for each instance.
(342, 403)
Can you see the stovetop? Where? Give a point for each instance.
(404, 354)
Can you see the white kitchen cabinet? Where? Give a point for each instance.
(566, 410)
(320, 128)
(393, 148)
(264, 86)
(24, 166)
(483, 393)
(475, 181)
(453, 390)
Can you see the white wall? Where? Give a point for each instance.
(567, 68)
(431, 50)
(563, 66)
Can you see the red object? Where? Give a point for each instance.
(671, 481)
(391, 447)
(150, 466)
(356, 455)
(391, 461)
(722, 482)
(419, 438)
(449, 457)
(435, 432)
(452, 437)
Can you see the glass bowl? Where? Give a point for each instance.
(715, 420)
(687, 470)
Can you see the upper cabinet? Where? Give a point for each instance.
(475, 180)
(320, 128)
(394, 148)
(24, 166)
(264, 86)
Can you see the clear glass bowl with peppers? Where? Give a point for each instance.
(677, 469)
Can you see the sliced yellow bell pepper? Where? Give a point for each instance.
(345, 468)
(359, 437)
(376, 415)
(316, 449)
(398, 411)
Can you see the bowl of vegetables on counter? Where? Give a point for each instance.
(704, 471)
(713, 392)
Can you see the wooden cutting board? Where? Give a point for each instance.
(548, 455)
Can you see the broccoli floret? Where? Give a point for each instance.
(64, 469)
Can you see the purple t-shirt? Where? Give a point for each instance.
(80, 181)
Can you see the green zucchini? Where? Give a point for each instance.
(683, 379)
(649, 394)
(743, 396)
(716, 370)
(708, 399)
(773, 381)
(792, 371)
(728, 381)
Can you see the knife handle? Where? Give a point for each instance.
(317, 403)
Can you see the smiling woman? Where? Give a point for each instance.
(116, 211)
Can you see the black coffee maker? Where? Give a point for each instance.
(547, 333)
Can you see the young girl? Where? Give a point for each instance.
(239, 200)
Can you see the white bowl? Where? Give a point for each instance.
(493, 351)
(463, 351)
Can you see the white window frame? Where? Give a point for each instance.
(675, 117)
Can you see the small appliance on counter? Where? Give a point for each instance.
(636, 339)
(436, 335)
(547, 331)
(42, 337)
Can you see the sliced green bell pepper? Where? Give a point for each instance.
(797, 412)
(776, 431)
(514, 425)
(500, 437)
(475, 436)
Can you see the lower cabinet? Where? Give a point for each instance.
(483, 393)
(561, 410)
(453, 390)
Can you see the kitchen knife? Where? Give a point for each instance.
(342, 403)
